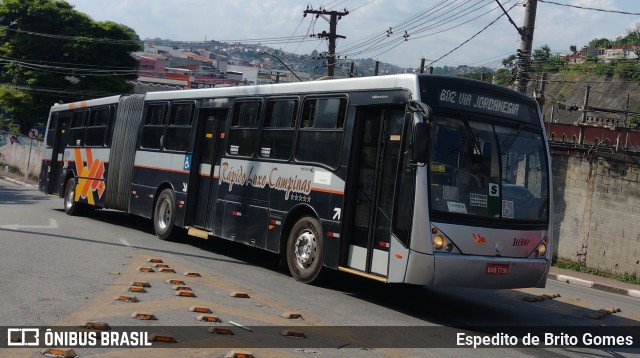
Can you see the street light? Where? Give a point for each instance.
(284, 64)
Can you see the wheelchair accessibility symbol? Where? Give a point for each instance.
(507, 209)
(187, 162)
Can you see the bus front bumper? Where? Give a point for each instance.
(489, 272)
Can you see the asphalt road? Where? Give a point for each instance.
(63, 271)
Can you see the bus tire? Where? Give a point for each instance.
(304, 250)
(71, 206)
(164, 215)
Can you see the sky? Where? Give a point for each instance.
(434, 28)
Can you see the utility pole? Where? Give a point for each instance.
(526, 45)
(584, 115)
(334, 16)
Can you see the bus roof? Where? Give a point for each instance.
(408, 81)
(88, 103)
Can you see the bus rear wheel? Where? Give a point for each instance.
(164, 215)
(71, 206)
(304, 250)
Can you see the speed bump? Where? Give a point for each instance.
(208, 318)
(173, 281)
(601, 313)
(59, 352)
(146, 316)
(185, 293)
(140, 284)
(146, 269)
(160, 265)
(124, 298)
(293, 334)
(541, 297)
(192, 274)
(103, 326)
(239, 294)
(167, 270)
(199, 309)
(163, 338)
(220, 330)
(181, 287)
(292, 315)
(137, 289)
(155, 260)
(239, 354)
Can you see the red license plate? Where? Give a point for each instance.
(497, 269)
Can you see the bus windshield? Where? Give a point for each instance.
(487, 170)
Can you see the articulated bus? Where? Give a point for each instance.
(417, 179)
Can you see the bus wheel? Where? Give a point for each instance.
(304, 250)
(164, 215)
(71, 206)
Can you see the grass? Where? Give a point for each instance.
(625, 277)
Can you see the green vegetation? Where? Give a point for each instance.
(50, 52)
(634, 121)
(625, 277)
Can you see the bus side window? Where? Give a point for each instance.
(97, 127)
(321, 131)
(111, 121)
(78, 128)
(278, 129)
(243, 132)
(178, 131)
(405, 190)
(51, 131)
(153, 131)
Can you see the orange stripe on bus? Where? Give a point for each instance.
(162, 169)
(328, 191)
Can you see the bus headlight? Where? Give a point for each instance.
(542, 249)
(438, 242)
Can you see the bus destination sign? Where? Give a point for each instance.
(478, 102)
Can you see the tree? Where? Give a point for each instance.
(573, 49)
(599, 43)
(634, 121)
(541, 54)
(53, 53)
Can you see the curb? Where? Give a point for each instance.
(596, 286)
(17, 182)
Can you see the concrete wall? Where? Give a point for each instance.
(597, 206)
(15, 151)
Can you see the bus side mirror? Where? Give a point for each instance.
(420, 142)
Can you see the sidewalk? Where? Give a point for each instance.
(19, 182)
(595, 282)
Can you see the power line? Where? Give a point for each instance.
(469, 39)
(591, 8)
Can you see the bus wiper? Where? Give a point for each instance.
(472, 142)
(509, 142)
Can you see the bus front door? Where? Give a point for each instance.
(59, 142)
(375, 163)
(206, 153)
